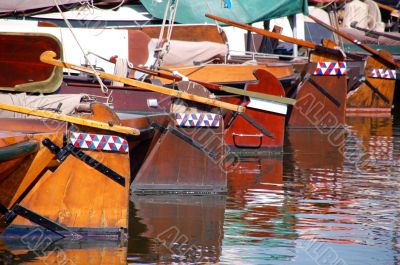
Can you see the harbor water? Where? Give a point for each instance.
(333, 197)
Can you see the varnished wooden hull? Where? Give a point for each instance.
(264, 133)
(89, 202)
(241, 136)
(18, 173)
(321, 102)
(71, 192)
(374, 95)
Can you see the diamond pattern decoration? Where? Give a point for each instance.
(383, 73)
(197, 119)
(331, 68)
(98, 142)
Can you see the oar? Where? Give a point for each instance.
(373, 32)
(275, 35)
(358, 43)
(232, 90)
(395, 12)
(211, 86)
(48, 57)
(71, 119)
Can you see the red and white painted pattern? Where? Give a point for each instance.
(98, 142)
(197, 119)
(383, 73)
(331, 68)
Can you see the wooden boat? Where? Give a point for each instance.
(236, 131)
(115, 152)
(374, 92)
(262, 132)
(321, 97)
(83, 206)
(80, 206)
(256, 140)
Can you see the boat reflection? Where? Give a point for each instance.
(257, 184)
(259, 214)
(376, 135)
(314, 162)
(176, 228)
(39, 249)
(316, 170)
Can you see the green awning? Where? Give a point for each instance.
(245, 11)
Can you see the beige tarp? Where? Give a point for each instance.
(48, 102)
(187, 52)
(366, 13)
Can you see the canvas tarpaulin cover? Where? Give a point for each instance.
(245, 11)
(23, 5)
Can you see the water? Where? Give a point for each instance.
(332, 198)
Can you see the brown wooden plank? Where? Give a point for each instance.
(39, 162)
(77, 195)
(229, 73)
(174, 164)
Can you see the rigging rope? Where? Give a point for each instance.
(162, 49)
(103, 87)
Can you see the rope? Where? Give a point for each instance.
(218, 27)
(162, 50)
(103, 87)
(328, 4)
(160, 37)
(159, 49)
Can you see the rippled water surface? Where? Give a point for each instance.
(332, 198)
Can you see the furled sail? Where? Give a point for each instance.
(23, 5)
(245, 11)
(16, 6)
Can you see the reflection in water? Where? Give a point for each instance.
(333, 198)
(177, 228)
(337, 201)
(259, 219)
(40, 249)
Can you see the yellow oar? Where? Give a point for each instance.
(48, 57)
(71, 119)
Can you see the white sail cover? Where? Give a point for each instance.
(21, 5)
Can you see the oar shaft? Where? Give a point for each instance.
(71, 119)
(48, 57)
(231, 90)
(386, 7)
(349, 38)
(376, 33)
(263, 32)
(278, 36)
(211, 86)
